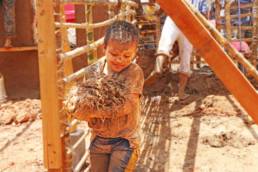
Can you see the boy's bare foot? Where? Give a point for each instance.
(8, 43)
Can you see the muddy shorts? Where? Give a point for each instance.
(112, 155)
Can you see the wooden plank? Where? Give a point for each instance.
(228, 20)
(242, 6)
(48, 86)
(213, 54)
(18, 49)
(217, 12)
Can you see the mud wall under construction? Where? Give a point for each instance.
(20, 69)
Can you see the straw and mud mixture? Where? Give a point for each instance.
(102, 93)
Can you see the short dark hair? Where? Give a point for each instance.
(122, 31)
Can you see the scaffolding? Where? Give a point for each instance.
(56, 74)
(238, 22)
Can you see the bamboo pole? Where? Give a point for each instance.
(65, 70)
(18, 49)
(68, 65)
(81, 50)
(103, 2)
(217, 13)
(226, 44)
(94, 25)
(91, 53)
(235, 6)
(78, 74)
(214, 55)
(52, 143)
(228, 20)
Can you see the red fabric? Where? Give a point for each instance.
(69, 13)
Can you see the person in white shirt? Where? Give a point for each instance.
(169, 35)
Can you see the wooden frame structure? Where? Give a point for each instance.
(56, 70)
(56, 75)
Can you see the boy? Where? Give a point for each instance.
(114, 147)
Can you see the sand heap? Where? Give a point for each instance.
(100, 93)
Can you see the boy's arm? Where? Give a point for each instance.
(131, 104)
(132, 99)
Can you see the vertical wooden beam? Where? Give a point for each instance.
(48, 86)
(255, 34)
(68, 65)
(228, 20)
(217, 13)
(91, 55)
(214, 55)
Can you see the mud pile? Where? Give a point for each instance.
(19, 111)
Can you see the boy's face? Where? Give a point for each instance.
(119, 55)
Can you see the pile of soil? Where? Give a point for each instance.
(104, 93)
(19, 111)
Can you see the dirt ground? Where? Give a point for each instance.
(209, 132)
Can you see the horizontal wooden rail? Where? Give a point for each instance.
(18, 49)
(236, 16)
(102, 2)
(81, 50)
(242, 27)
(235, 6)
(94, 25)
(78, 74)
(241, 15)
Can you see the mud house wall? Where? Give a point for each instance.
(100, 13)
(20, 69)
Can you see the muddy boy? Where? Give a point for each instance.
(115, 143)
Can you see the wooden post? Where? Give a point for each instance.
(228, 20)
(53, 149)
(91, 55)
(217, 14)
(214, 55)
(68, 65)
(255, 34)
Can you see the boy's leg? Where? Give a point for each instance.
(100, 151)
(123, 158)
(123, 161)
(99, 162)
(185, 52)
